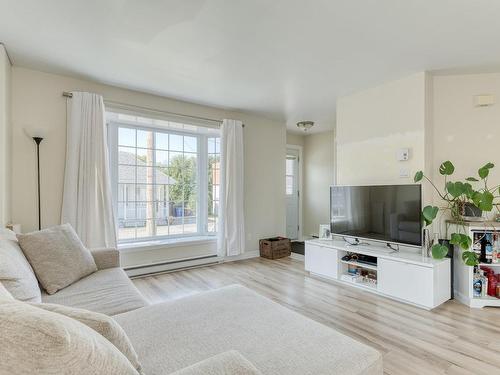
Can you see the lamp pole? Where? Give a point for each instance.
(38, 140)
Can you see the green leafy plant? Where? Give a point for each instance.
(456, 196)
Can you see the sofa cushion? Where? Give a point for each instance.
(273, 338)
(107, 291)
(35, 341)
(57, 256)
(227, 363)
(102, 324)
(4, 294)
(16, 274)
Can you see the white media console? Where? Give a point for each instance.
(404, 276)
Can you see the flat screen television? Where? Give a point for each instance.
(386, 213)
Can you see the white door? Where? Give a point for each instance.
(292, 193)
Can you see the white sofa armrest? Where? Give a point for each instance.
(106, 258)
(227, 363)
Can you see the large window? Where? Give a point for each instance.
(165, 177)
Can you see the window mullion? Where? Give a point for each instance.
(155, 229)
(202, 185)
(136, 189)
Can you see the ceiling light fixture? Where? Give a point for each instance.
(305, 125)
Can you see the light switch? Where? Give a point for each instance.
(404, 173)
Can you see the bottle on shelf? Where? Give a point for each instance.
(498, 288)
(484, 289)
(477, 244)
(488, 248)
(477, 284)
(496, 248)
(492, 284)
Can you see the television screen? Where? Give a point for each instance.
(388, 213)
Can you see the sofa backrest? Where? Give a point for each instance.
(16, 274)
(7, 234)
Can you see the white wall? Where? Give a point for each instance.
(5, 138)
(294, 139)
(373, 124)
(318, 177)
(463, 133)
(37, 102)
(434, 114)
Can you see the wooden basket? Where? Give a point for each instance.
(275, 248)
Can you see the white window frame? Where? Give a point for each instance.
(202, 177)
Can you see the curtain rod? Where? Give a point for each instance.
(70, 95)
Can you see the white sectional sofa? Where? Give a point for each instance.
(231, 330)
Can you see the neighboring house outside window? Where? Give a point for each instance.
(165, 177)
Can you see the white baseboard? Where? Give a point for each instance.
(245, 255)
(170, 266)
(179, 265)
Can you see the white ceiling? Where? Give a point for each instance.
(285, 59)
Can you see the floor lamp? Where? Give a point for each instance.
(38, 140)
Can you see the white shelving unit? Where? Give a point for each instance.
(361, 283)
(367, 286)
(408, 277)
(359, 264)
(464, 274)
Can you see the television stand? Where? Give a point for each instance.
(393, 247)
(403, 276)
(355, 243)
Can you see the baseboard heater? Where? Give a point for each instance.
(170, 266)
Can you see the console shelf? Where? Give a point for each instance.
(361, 285)
(404, 276)
(359, 264)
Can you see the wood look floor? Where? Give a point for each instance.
(451, 339)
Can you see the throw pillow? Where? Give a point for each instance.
(57, 256)
(16, 274)
(36, 341)
(102, 324)
(4, 294)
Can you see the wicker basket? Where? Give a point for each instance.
(275, 248)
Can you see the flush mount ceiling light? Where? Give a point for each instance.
(305, 125)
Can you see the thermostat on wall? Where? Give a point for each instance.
(403, 154)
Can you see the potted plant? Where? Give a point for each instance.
(461, 199)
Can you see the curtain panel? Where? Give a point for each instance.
(87, 199)
(232, 225)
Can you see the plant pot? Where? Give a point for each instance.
(468, 211)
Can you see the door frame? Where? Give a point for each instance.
(301, 191)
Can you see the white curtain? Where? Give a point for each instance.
(232, 222)
(87, 200)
